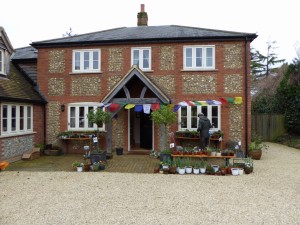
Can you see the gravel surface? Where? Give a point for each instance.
(270, 195)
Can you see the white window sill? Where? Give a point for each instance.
(202, 70)
(85, 72)
(17, 134)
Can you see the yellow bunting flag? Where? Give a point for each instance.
(238, 100)
(129, 106)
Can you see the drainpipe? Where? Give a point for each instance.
(45, 124)
(246, 94)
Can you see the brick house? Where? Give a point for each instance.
(133, 68)
(22, 107)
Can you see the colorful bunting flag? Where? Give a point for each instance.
(176, 107)
(223, 101)
(238, 100)
(129, 106)
(155, 106)
(114, 107)
(138, 108)
(146, 108)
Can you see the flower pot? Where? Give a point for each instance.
(248, 170)
(255, 154)
(215, 168)
(196, 170)
(86, 167)
(188, 170)
(203, 170)
(235, 171)
(165, 167)
(241, 171)
(119, 151)
(101, 167)
(172, 169)
(79, 169)
(181, 171)
(156, 170)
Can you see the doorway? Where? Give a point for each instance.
(141, 131)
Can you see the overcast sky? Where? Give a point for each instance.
(27, 21)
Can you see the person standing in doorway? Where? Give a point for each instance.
(203, 127)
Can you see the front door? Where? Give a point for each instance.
(145, 131)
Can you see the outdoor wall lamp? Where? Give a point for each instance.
(62, 107)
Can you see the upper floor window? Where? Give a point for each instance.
(188, 116)
(16, 118)
(86, 60)
(199, 57)
(77, 116)
(141, 57)
(1, 61)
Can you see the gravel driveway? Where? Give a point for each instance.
(270, 195)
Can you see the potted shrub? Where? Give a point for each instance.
(188, 166)
(203, 165)
(165, 154)
(78, 166)
(248, 165)
(256, 146)
(181, 167)
(196, 167)
(165, 117)
(172, 167)
(166, 163)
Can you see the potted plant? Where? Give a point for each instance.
(248, 165)
(181, 166)
(77, 165)
(256, 146)
(188, 166)
(203, 165)
(98, 117)
(172, 167)
(165, 117)
(196, 167)
(165, 154)
(166, 163)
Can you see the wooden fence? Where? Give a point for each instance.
(268, 126)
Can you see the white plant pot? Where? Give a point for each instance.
(202, 170)
(79, 169)
(213, 153)
(165, 167)
(218, 154)
(196, 170)
(241, 171)
(188, 169)
(235, 171)
(215, 168)
(181, 171)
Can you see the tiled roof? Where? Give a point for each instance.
(16, 88)
(147, 33)
(25, 53)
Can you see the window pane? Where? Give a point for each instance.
(29, 119)
(1, 60)
(136, 57)
(146, 59)
(13, 118)
(72, 117)
(209, 59)
(198, 57)
(77, 60)
(4, 118)
(204, 110)
(86, 61)
(188, 57)
(184, 117)
(214, 110)
(21, 118)
(91, 125)
(81, 117)
(95, 60)
(214, 122)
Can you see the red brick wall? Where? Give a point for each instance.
(44, 75)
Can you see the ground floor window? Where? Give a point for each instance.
(188, 118)
(16, 118)
(77, 116)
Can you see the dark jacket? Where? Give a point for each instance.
(203, 126)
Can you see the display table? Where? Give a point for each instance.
(216, 141)
(226, 158)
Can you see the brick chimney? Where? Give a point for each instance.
(142, 17)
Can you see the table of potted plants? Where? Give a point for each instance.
(180, 162)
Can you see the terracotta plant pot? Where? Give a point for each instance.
(255, 154)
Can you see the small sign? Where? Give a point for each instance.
(95, 139)
(172, 145)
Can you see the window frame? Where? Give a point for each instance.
(13, 122)
(203, 60)
(141, 57)
(2, 61)
(208, 113)
(86, 106)
(82, 61)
